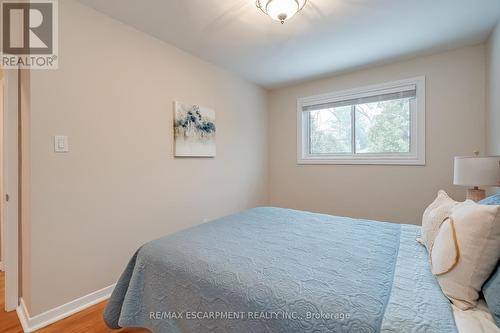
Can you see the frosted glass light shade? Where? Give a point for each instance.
(281, 10)
(477, 171)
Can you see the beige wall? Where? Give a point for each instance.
(455, 126)
(493, 92)
(120, 186)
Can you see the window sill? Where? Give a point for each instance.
(361, 161)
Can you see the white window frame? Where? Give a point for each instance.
(416, 156)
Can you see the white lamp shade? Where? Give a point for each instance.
(477, 171)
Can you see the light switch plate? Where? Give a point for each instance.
(61, 144)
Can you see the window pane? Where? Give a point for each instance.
(330, 131)
(383, 127)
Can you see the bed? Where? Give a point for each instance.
(279, 270)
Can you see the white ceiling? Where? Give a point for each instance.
(328, 37)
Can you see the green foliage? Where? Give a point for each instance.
(333, 137)
(385, 132)
(381, 127)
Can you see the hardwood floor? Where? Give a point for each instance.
(87, 321)
(9, 323)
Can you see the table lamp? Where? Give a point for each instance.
(477, 171)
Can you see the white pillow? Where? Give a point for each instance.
(466, 251)
(433, 216)
(446, 252)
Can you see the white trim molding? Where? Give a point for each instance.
(22, 314)
(31, 324)
(10, 186)
(416, 156)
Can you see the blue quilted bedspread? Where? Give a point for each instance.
(279, 270)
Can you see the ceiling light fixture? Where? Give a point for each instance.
(281, 10)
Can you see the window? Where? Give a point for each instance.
(383, 124)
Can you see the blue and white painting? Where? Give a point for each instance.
(194, 131)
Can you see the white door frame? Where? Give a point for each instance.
(2, 195)
(10, 213)
(2, 107)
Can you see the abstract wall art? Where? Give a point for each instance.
(194, 131)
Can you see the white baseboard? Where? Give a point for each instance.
(37, 322)
(23, 316)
